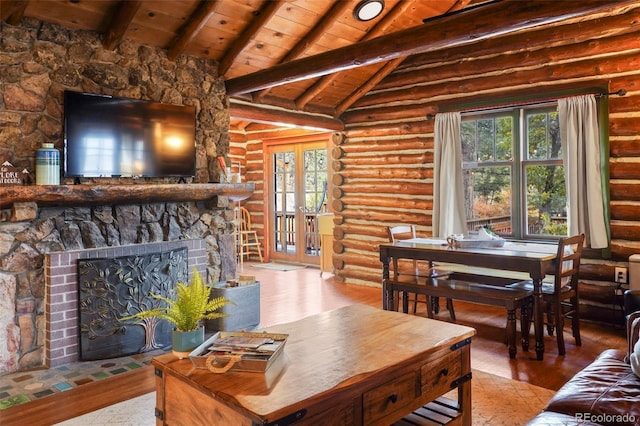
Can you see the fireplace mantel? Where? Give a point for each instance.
(77, 195)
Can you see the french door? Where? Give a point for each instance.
(297, 193)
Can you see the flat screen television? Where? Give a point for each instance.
(106, 136)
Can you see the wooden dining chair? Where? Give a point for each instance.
(248, 242)
(561, 296)
(405, 232)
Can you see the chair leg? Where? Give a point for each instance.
(559, 326)
(511, 332)
(550, 322)
(575, 321)
(429, 307)
(435, 302)
(525, 325)
(259, 251)
(452, 313)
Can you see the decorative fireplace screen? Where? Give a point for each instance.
(112, 288)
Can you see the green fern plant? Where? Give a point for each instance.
(188, 309)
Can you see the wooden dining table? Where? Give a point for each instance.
(536, 259)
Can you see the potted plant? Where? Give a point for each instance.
(187, 311)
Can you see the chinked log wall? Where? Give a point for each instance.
(383, 164)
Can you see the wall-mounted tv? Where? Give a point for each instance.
(106, 136)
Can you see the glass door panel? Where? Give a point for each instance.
(284, 199)
(298, 192)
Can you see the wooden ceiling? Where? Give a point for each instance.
(308, 60)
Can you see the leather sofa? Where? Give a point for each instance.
(605, 392)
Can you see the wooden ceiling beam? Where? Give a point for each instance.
(245, 111)
(191, 28)
(12, 11)
(264, 15)
(458, 29)
(120, 22)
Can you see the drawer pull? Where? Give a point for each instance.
(444, 372)
(393, 398)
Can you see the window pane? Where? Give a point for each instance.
(543, 135)
(546, 200)
(487, 139)
(488, 198)
(504, 138)
(468, 136)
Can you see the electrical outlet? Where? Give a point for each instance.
(620, 275)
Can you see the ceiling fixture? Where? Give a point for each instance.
(366, 10)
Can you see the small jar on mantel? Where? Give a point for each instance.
(47, 165)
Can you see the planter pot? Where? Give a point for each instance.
(244, 311)
(185, 341)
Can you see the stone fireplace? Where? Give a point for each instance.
(38, 277)
(62, 334)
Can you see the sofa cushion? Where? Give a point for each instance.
(606, 386)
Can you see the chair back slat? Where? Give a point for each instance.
(568, 261)
(401, 232)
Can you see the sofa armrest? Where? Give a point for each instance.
(633, 330)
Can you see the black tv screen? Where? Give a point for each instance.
(107, 136)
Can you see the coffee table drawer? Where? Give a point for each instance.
(390, 397)
(438, 375)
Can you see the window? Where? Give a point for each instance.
(513, 172)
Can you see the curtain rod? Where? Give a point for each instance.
(620, 92)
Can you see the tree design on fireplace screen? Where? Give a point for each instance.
(111, 288)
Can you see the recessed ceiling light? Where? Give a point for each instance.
(366, 10)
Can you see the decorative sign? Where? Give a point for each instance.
(10, 175)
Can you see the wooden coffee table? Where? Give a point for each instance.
(355, 365)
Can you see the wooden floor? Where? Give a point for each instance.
(287, 296)
(291, 295)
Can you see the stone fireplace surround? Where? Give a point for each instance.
(61, 289)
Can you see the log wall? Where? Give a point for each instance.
(383, 162)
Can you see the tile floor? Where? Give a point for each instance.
(24, 386)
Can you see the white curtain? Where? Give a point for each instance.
(448, 191)
(583, 169)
